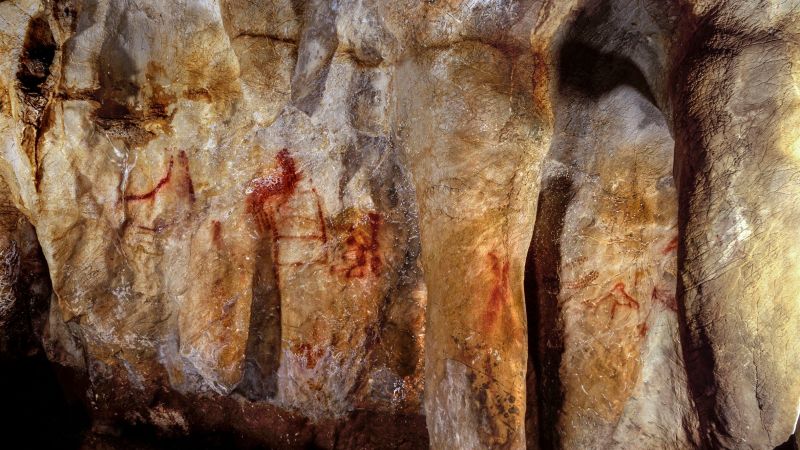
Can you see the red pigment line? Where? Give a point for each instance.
(185, 162)
(276, 251)
(156, 229)
(321, 217)
(630, 301)
(152, 193)
(673, 245)
(665, 298)
(500, 289)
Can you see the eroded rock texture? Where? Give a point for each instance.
(399, 224)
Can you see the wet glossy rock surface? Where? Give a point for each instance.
(401, 224)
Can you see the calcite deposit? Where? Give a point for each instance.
(455, 224)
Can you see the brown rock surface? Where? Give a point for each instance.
(393, 224)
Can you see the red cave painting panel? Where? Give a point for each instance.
(287, 211)
(165, 180)
(310, 353)
(216, 234)
(177, 180)
(361, 253)
(617, 304)
(266, 194)
(288, 208)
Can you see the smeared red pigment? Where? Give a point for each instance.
(184, 160)
(362, 250)
(310, 354)
(151, 194)
(665, 298)
(216, 233)
(272, 190)
(500, 292)
(268, 202)
(672, 246)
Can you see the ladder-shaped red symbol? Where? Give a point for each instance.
(299, 234)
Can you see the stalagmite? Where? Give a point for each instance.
(736, 141)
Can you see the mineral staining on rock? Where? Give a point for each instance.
(536, 223)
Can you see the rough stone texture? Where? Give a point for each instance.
(394, 224)
(737, 141)
(24, 285)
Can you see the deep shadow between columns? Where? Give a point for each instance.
(545, 340)
(584, 74)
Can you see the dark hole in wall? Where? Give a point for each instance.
(37, 408)
(591, 60)
(38, 53)
(36, 411)
(37, 57)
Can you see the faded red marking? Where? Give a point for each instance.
(183, 160)
(152, 193)
(185, 163)
(617, 295)
(361, 255)
(500, 292)
(273, 190)
(627, 300)
(266, 194)
(216, 233)
(665, 298)
(310, 354)
(672, 246)
(267, 200)
(584, 281)
(320, 217)
(278, 216)
(158, 228)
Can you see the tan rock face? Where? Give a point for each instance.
(541, 224)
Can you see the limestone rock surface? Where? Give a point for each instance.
(456, 224)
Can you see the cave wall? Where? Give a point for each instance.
(401, 224)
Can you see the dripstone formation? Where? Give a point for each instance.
(455, 224)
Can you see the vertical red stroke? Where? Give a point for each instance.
(500, 291)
